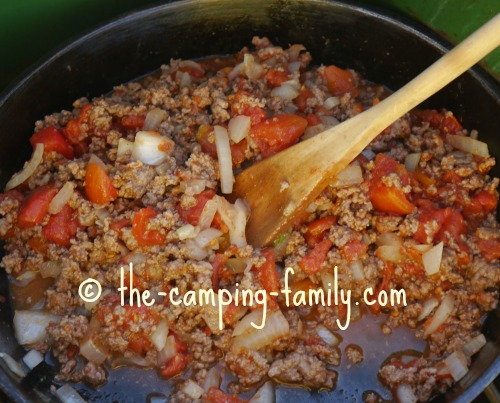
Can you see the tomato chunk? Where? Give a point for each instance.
(242, 105)
(133, 121)
(206, 138)
(311, 263)
(276, 77)
(277, 133)
(267, 274)
(444, 121)
(99, 188)
(354, 250)
(175, 365)
(490, 248)
(61, 227)
(52, 140)
(143, 236)
(215, 395)
(192, 214)
(340, 81)
(317, 229)
(36, 206)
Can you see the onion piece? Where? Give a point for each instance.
(293, 67)
(207, 214)
(207, 237)
(31, 326)
(151, 148)
(153, 119)
(265, 394)
(474, 345)
(239, 127)
(61, 198)
(468, 144)
(33, 358)
(225, 160)
(357, 270)
(442, 313)
(67, 394)
(411, 161)
(351, 175)
(185, 79)
(389, 238)
(327, 336)
(276, 327)
(192, 389)
(210, 314)
(245, 324)
(421, 247)
(312, 131)
(331, 103)
(427, 308)
(390, 253)
(124, 146)
(186, 231)
(253, 70)
(28, 170)
(405, 394)
(194, 186)
(93, 351)
(169, 351)
(235, 217)
(285, 91)
(194, 251)
(213, 379)
(327, 280)
(159, 336)
(432, 259)
(50, 269)
(13, 365)
(458, 364)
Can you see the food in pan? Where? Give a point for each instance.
(125, 196)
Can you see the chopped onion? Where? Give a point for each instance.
(207, 214)
(432, 259)
(213, 379)
(132, 360)
(159, 336)
(474, 345)
(207, 237)
(169, 351)
(331, 103)
(265, 394)
(253, 70)
(96, 160)
(93, 351)
(136, 258)
(327, 280)
(153, 119)
(235, 72)
(421, 247)
(33, 358)
(191, 64)
(210, 314)
(327, 336)
(124, 146)
(235, 217)
(61, 198)
(186, 231)
(67, 394)
(185, 79)
(293, 67)
(13, 365)
(192, 389)
(276, 327)
(294, 51)
(50, 269)
(329, 121)
(351, 175)
(295, 83)
(405, 394)
(428, 307)
(194, 251)
(285, 91)
(28, 170)
(468, 144)
(195, 186)
(389, 238)
(390, 253)
(312, 131)
(357, 270)
(151, 148)
(411, 161)
(458, 364)
(225, 160)
(442, 313)
(239, 127)
(31, 326)
(245, 324)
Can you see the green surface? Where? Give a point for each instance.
(30, 29)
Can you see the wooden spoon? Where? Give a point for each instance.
(279, 188)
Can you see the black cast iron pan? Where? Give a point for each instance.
(383, 48)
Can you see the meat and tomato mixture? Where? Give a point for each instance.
(137, 177)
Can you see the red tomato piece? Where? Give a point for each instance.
(139, 343)
(301, 100)
(133, 121)
(387, 273)
(267, 274)
(490, 248)
(192, 215)
(313, 119)
(277, 133)
(38, 244)
(354, 250)
(317, 229)
(217, 265)
(215, 395)
(481, 204)
(276, 77)
(311, 263)
(444, 121)
(52, 140)
(340, 81)
(99, 188)
(61, 227)
(241, 106)
(143, 236)
(36, 206)
(206, 138)
(175, 365)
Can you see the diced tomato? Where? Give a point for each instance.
(277, 133)
(140, 343)
(313, 119)
(387, 273)
(276, 77)
(133, 121)
(99, 188)
(301, 100)
(215, 395)
(192, 214)
(238, 151)
(427, 215)
(217, 265)
(36, 206)
(52, 140)
(73, 129)
(453, 225)
(175, 365)
(143, 236)
(340, 81)
(61, 227)
(120, 224)
(229, 315)
(206, 138)
(357, 108)
(490, 248)
(354, 250)
(267, 274)
(481, 204)
(311, 263)
(444, 121)
(239, 106)
(38, 244)
(317, 229)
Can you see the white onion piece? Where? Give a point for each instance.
(245, 324)
(93, 351)
(331, 103)
(293, 67)
(13, 365)
(192, 389)
(312, 131)
(210, 314)
(192, 64)
(474, 345)
(432, 259)
(28, 170)
(390, 253)
(169, 351)
(186, 231)
(327, 336)
(225, 160)
(327, 280)
(61, 198)
(207, 237)
(195, 186)
(50, 269)
(124, 146)
(235, 217)
(194, 251)
(405, 394)
(101, 214)
(295, 83)
(153, 119)
(159, 336)
(350, 175)
(207, 214)
(212, 380)
(389, 238)
(33, 358)
(185, 79)
(253, 70)
(294, 51)
(276, 327)
(468, 144)
(235, 72)
(357, 270)
(441, 315)
(239, 127)
(96, 160)
(31, 326)
(329, 121)
(421, 247)
(427, 307)
(151, 148)
(66, 394)
(265, 394)
(458, 364)
(411, 161)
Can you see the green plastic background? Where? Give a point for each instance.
(30, 29)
